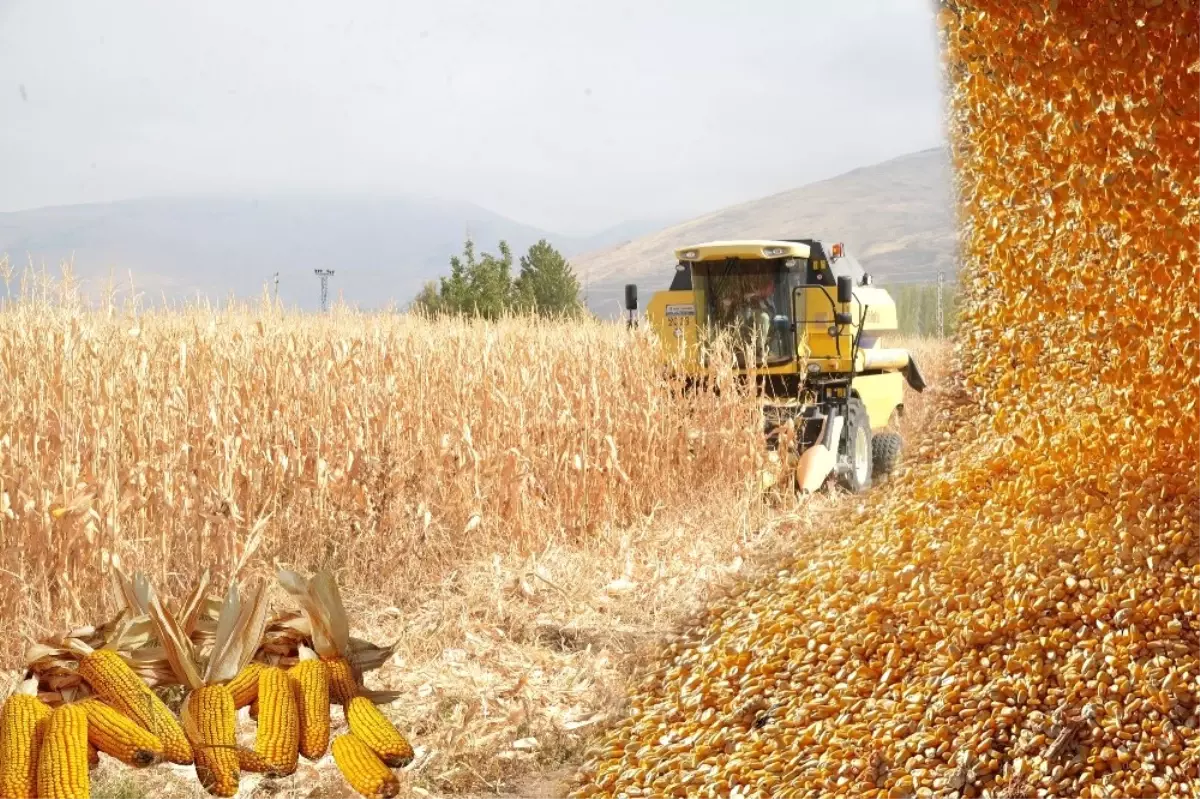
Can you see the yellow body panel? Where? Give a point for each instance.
(672, 315)
(881, 310)
(832, 354)
(881, 394)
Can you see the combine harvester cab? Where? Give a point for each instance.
(809, 329)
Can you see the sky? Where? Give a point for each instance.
(569, 115)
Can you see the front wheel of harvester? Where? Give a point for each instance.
(885, 452)
(854, 450)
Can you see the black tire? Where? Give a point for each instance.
(885, 452)
(854, 449)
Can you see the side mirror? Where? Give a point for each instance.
(845, 289)
(630, 297)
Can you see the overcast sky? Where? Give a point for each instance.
(565, 114)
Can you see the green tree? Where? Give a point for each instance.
(483, 284)
(429, 300)
(547, 285)
(478, 285)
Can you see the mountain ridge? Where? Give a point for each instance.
(896, 217)
(380, 246)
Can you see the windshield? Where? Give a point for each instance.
(751, 301)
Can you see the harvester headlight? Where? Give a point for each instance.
(814, 367)
(691, 255)
(833, 331)
(774, 252)
(791, 263)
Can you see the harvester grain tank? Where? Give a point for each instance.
(809, 328)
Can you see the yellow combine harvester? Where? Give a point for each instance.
(809, 329)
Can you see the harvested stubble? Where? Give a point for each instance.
(1019, 615)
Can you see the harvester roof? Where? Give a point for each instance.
(748, 248)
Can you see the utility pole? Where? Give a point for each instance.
(941, 326)
(324, 274)
(276, 288)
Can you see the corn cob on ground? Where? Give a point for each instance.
(252, 762)
(112, 680)
(115, 734)
(277, 739)
(375, 730)
(210, 719)
(343, 683)
(363, 769)
(22, 727)
(310, 684)
(244, 686)
(62, 767)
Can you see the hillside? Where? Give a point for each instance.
(896, 217)
(381, 247)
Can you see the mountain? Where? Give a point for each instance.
(381, 248)
(895, 217)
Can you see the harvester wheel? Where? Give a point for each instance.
(854, 450)
(885, 452)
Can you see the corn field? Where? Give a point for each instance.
(386, 447)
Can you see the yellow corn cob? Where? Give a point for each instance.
(277, 740)
(115, 734)
(62, 766)
(310, 684)
(363, 769)
(113, 681)
(342, 685)
(254, 763)
(22, 724)
(244, 686)
(375, 730)
(210, 720)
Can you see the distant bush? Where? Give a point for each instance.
(483, 285)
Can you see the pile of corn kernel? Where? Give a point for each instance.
(1019, 613)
